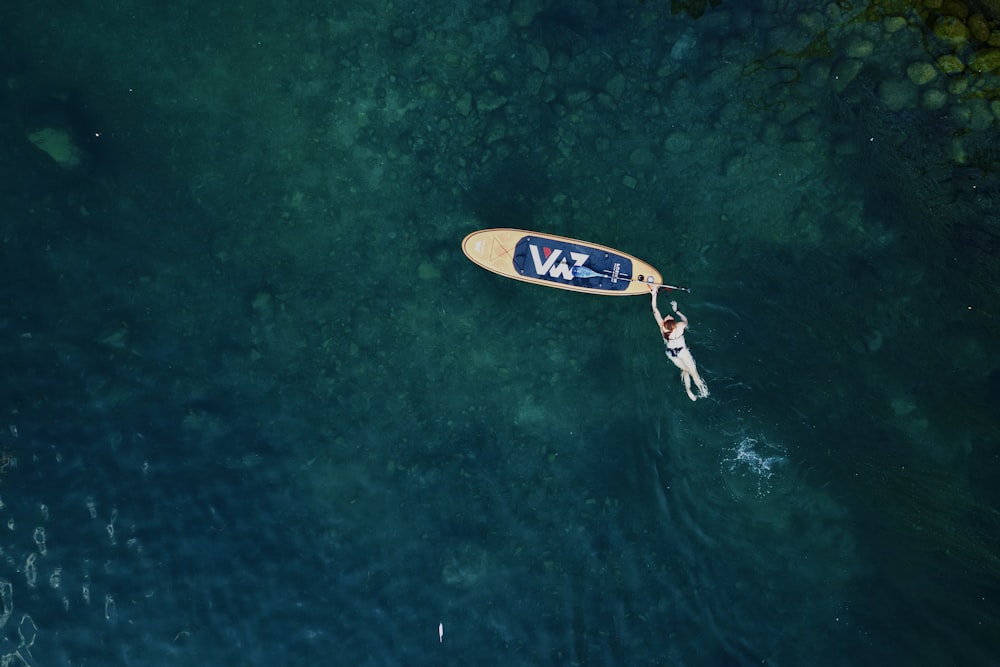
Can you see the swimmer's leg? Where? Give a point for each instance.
(702, 387)
(691, 367)
(687, 385)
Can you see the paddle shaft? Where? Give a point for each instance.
(671, 288)
(659, 286)
(587, 272)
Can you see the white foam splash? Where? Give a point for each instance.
(7, 598)
(756, 459)
(39, 537)
(31, 570)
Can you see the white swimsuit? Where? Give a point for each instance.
(674, 346)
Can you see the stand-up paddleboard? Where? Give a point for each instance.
(555, 261)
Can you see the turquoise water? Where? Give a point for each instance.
(258, 408)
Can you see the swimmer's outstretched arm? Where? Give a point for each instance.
(673, 304)
(656, 311)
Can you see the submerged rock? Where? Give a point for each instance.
(979, 27)
(950, 64)
(685, 45)
(951, 30)
(59, 145)
(934, 99)
(897, 95)
(921, 73)
(844, 72)
(985, 60)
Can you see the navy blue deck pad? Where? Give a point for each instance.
(553, 261)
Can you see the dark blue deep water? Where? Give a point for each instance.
(256, 408)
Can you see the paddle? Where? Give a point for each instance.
(584, 272)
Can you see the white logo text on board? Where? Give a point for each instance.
(552, 266)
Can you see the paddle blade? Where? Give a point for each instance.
(584, 272)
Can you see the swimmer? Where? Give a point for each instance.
(673, 336)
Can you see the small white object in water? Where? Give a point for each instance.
(441, 632)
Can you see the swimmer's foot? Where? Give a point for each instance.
(702, 390)
(692, 396)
